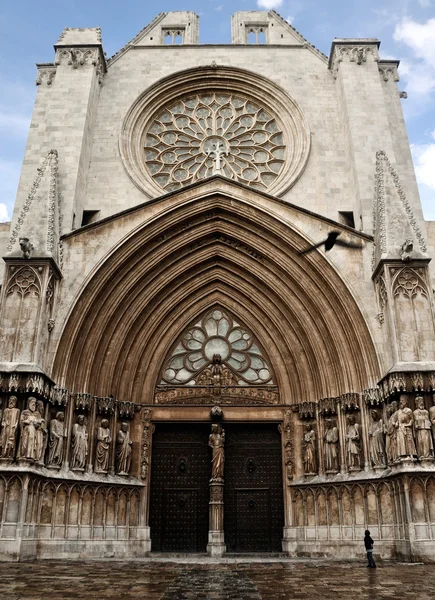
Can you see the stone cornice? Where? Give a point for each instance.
(46, 73)
(352, 50)
(78, 55)
(388, 70)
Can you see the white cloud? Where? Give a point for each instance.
(420, 78)
(424, 161)
(290, 19)
(4, 216)
(420, 37)
(425, 3)
(219, 7)
(269, 4)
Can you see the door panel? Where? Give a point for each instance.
(253, 497)
(181, 466)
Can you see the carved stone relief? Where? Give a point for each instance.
(148, 429)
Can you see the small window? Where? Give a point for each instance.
(347, 218)
(178, 38)
(252, 38)
(89, 216)
(261, 37)
(168, 39)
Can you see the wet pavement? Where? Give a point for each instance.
(230, 580)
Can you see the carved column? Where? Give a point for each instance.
(68, 432)
(216, 541)
(91, 432)
(342, 434)
(147, 434)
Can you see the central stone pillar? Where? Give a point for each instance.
(216, 538)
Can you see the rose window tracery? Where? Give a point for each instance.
(217, 334)
(214, 133)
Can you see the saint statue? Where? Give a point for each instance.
(309, 450)
(391, 443)
(30, 421)
(103, 446)
(123, 450)
(79, 445)
(404, 426)
(330, 447)
(216, 442)
(422, 427)
(8, 435)
(353, 447)
(41, 433)
(55, 443)
(376, 440)
(432, 417)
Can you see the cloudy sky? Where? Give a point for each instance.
(28, 30)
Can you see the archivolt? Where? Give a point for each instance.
(212, 251)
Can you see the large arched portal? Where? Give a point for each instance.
(214, 247)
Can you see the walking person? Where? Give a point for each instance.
(368, 543)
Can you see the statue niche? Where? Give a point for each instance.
(9, 430)
(55, 442)
(30, 441)
(79, 444)
(123, 450)
(309, 450)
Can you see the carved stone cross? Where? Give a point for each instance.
(216, 153)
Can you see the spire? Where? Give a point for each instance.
(35, 231)
(397, 235)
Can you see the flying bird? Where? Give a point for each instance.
(331, 241)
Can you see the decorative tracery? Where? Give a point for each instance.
(209, 133)
(221, 346)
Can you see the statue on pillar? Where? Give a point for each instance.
(55, 443)
(376, 441)
(309, 450)
(8, 435)
(353, 446)
(422, 425)
(391, 442)
(404, 426)
(103, 447)
(123, 450)
(432, 416)
(330, 447)
(79, 444)
(216, 442)
(30, 422)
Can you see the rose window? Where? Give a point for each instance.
(217, 335)
(214, 133)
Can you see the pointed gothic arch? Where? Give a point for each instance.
(215, 245)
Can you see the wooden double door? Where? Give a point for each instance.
(253, 493)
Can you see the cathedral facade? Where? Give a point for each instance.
(181, 370)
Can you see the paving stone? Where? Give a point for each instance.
(211, 580)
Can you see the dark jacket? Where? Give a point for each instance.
(368, 542)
